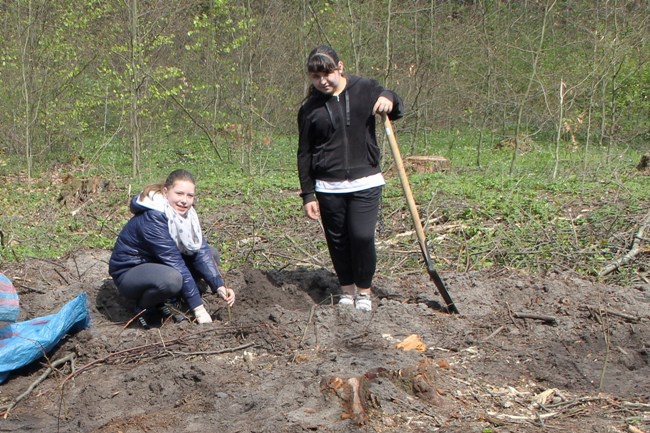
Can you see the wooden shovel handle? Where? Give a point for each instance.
(406, 187)
(440, 285)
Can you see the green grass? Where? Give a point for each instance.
(475, 216)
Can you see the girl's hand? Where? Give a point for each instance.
(228, 295)
(382, 106)
(312, 210)
(201, 314)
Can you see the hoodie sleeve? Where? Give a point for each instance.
(307, 181)
(205, 264)
(376, 90)
(398, 104)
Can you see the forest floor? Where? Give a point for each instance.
(552, 353)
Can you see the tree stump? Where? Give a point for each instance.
(422, 164)
(357, 396)
(426, 163)
(76, 190)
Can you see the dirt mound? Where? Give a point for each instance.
(527, 353)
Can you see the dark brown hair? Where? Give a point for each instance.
(323, 58)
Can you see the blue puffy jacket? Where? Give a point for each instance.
(145, 239)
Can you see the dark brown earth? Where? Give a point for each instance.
(285, 358)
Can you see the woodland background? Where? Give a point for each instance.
(231, 72)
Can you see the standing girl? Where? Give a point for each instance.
(339, 167)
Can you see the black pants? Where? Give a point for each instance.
(151, 284)
(350, 221)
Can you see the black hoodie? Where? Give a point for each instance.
(337, 139)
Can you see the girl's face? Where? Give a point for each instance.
(328, 83)
(180, 196)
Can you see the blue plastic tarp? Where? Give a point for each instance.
(9, 308)
(22, 343)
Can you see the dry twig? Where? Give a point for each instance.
(314, 259)
(41, 378)
(601, 310)
(544, 318)
(634, 250)
(489, 337)
(163, 347)
(214, 352)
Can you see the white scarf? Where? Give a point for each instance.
(185, 230)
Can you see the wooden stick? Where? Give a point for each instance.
(138, 350)
(309, 320)
(516, 418)
(41, 378)
(625, 316)
(302, 250)
(499, 329)
(214, 352)
(634, 250)
(548, 319)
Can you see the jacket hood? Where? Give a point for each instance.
(352, 80)
(154, 201)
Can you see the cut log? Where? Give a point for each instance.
(426, 163)
(422, 164)
(76, 190)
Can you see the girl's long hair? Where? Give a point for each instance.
(173, 177)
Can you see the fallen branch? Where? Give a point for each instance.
(30, 289)
(637, 405)
(214, 352)
(547, 319)
(512, 318)
(162, 347)
(518, 418)
(612, 312)
(489, 337)
(304, 333)
(34, 384)
(634, 250)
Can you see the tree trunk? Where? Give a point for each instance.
(533, 73)
(135, 88)
(558, 134)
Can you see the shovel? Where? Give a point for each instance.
(440, 285)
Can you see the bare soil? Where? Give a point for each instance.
(527, 354)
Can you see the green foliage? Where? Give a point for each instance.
(527, 221)
(215, 87)
(475, 218)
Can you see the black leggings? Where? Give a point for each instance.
(350, 221)
(151, 284)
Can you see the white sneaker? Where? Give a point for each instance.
(346, 300)
(363, 302)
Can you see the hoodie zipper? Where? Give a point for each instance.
(345, 115)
